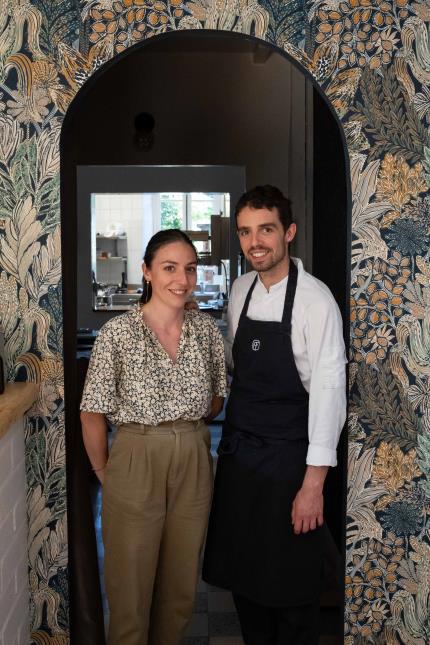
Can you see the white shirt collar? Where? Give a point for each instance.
(278, 286)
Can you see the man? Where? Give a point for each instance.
(283, 420)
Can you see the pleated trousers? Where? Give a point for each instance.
(156, 499)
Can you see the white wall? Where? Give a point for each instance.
(136, 218)
(14, 591)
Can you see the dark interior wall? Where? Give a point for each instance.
(331, 216)
(214, 102)
(331, 263)
(208, 109)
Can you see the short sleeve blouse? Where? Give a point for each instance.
(132, 379)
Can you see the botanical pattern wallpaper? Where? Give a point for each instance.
(372, 59)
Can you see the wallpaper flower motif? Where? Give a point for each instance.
(128, 21)
(398, 182)
(367, 32)
(371, 57)
(394, 468)
(388, 499)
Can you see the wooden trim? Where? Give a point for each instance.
(14, 402)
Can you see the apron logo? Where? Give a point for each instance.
(255, 345)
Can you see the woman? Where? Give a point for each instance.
(155, 372)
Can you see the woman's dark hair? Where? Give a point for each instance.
(157, 241)
(267, 197)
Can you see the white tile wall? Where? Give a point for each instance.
(14, 592)
(136, 215)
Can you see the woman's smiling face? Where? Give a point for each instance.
(172, 274)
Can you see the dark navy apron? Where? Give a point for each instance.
(251, 547)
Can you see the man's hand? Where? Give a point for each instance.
(308, 507)
(307, 511)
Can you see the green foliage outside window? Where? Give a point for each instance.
(170, 217)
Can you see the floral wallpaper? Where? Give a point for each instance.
(372, 59)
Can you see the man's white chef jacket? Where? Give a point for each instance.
(318, 348)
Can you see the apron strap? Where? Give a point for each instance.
(288, 302)
(247, 299)
(289, 298)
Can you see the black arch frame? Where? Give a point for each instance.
(69, 287)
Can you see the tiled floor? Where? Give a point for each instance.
(214, 621)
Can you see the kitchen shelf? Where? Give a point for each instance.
(111, 237)
(111, 256)
(102, 259)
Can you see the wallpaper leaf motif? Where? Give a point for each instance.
(10, 137)
(385, 411)
(48, 152)
(414, 343)
(365, 213)
(9, 305)
(8, 195)
(426, 164)
(367, 31)
(424, 461)
(12, 315)
(362, 522)
(410, 181)
(76, 68)
(20, 244)
(392, 125)
(414, 54)
(48, 203)
(46, 267)
(287, 20)
(246, 16)
(342, 89)
(125, 22)
(18, 19)
(410, 615)
(23, 169)
(53, 305)
(60, 22)
(30, 249)
(47, 519)
(393, 468)
(373, 60)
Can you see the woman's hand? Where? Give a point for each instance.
(100, 474)
(216, 407)
(94, 430)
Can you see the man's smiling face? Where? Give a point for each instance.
(263, 239)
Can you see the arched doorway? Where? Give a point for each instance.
(245, 117)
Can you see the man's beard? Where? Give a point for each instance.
(262, 268)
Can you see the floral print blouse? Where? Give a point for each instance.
(132, 379)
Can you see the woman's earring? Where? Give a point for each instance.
(147, 290)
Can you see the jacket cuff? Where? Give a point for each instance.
(321, 456)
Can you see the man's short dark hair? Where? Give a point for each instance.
(267, 197)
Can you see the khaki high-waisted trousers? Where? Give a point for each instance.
(156, 499)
